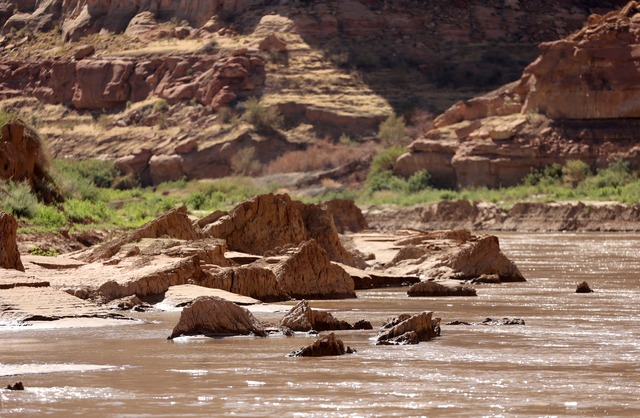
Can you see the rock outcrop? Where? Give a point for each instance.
(430, 289)
(523, 216)
(23, 159)
(256, 281)
(302, 318)
(174, 223)
(328, 345)
(212, 316)
(97, 84)
(346, 215)
(410, 330)
(453, 255)
(307, 272)
(9, 254)
(575, 102)
(265, 223)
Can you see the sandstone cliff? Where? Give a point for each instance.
(576, 101)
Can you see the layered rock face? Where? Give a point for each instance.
(96, 84)
(576, 101)
(23, 159)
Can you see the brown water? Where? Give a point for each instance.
(577, 355)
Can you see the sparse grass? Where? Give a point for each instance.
(261, 116)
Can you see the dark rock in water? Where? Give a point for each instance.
(362, 324)
(302, 318)
(407, 338)
(490, 321)
(328, 345)
(503, 321)
(458, 323)
(392, 322)
(422, 325)
(437, 289)
(583, 288)
(17, 386)
(487, 279)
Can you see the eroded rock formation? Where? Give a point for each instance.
(9, 254)
(302, 318)
(577, 101)
(212, 316)
(453, 255)
(410, 330)
(268, 222)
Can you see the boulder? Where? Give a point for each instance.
(422, 325)
(166, 168)
(307, 272)
(9, 254)
(437, 289)
(272, 43)
(302, 318)
(583, 288)
(328, 345)
(347, 217)
(212, 316)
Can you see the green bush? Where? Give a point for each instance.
(393, 131)
(84, 211)
(49, 217)
(617, 174)
(384, 180)
(385, 160)
(196, 201)
(420, 180)
(575, 171)
(17, 199)
(160, 106)
(47, 252)
(7, 117)
(548, 175)
(261, 117)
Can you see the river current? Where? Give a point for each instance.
(578, 354)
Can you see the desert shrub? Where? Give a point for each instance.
(575, 171)
(245, 162)
(384, 180)
(47, 252)
(6, 116)
(18, 200)
(548, 175)
(49, 217)
(419, 181)
(617, 174)
(385, 160)
(393, 131)
(196, 201)
(160, 106)
(260, 116)
(322, 155)
(85, 211)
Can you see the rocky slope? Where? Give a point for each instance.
(102, 65)
(577, 101)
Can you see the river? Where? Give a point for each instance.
(577, 355)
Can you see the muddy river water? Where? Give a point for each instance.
(577, 355)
